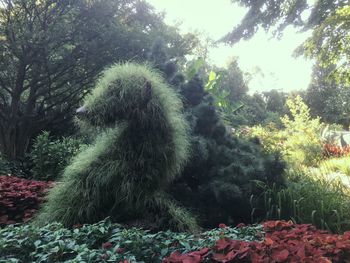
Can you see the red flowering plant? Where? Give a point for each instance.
(20, 199)
(332, 150)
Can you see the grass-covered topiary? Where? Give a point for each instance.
(141, 147)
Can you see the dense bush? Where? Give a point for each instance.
(5, 167)
(50, 157)
(220, 176)
(20, 199)
(299, 140)
(105, 242)
(20, 167)
(284, 242)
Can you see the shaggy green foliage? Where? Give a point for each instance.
(141, 147)
(106, 242)
(50, 157)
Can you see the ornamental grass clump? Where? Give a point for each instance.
(141, 146)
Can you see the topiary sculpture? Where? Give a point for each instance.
(141, 147)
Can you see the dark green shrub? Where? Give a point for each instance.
(5, 167)
(220, 176)
(50, 157)
(222, 173)
(142, 146)
(19, 168)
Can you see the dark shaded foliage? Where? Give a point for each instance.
(219, 178)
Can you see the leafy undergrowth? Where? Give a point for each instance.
(284, 242)
(20, 198)
(106, 242)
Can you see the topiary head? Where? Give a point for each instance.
(127, 92)
(154, 130)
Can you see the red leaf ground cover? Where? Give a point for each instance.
(284, 242)
(20, 198)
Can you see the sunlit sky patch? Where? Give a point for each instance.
(280, 70)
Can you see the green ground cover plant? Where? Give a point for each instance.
(106, 242)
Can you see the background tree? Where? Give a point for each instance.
(232, 80)
(329, 45)
(279, 14)
(328, 99)
(52, 51)
(275, 101)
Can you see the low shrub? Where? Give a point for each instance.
(18, 167)
(300, 139)
(5, 167)
(50, 157)
(20, 199)
(284, 242)
(106, 242)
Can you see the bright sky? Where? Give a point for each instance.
(274, 57)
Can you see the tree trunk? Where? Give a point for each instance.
(14, 142)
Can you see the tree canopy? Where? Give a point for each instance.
(281, 13)
(52, 51)
(328, 20)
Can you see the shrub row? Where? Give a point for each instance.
(20, 198)
(284, 242)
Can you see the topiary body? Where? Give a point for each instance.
(141, 147)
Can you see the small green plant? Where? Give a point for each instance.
(50, 157)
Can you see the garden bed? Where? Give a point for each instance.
(272, 241)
